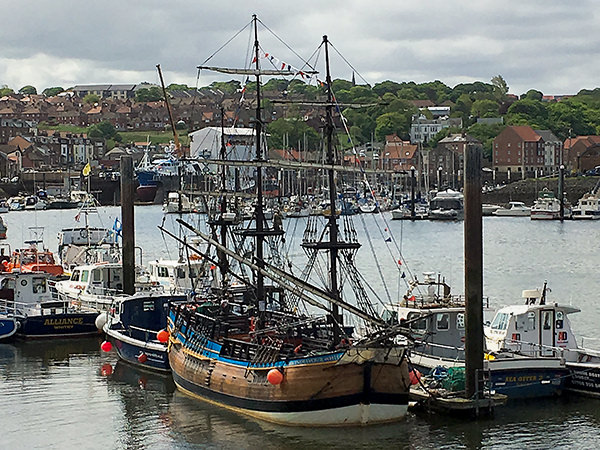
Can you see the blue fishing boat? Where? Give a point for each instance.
(134, 324)
(8, 326)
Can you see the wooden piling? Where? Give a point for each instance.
(561, 191)
(473, 232)
(127, 220)
(412, 193)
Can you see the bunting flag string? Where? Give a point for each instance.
(282, 65)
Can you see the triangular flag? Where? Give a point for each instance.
(86, 170)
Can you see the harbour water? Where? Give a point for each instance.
(56, 395)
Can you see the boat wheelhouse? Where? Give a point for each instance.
(29, 297)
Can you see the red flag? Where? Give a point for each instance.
(413, 298)
(282, 66)
(399, 262)
(213, 267)
(253, 60)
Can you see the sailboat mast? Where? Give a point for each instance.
(260, 287)
(223, 266)
(333, 229)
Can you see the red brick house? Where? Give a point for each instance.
(582, 153)
(521, 151)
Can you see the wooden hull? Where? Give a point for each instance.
(341, 388)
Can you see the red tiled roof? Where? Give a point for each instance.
(570, 142)
(526, 133)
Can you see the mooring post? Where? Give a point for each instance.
(412, 193)
(561, 191)
(127, 221)
(473, 271)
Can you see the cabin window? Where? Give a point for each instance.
(559, 319)
(96, 275)
(162, 272)
(531, 321)
(420, 324)
(180, 272)
(547, 320)
(8, 283)
(85, 276)
(75, 275)
(500, 322)
(442, 321)
(39, 285)
(460, 321)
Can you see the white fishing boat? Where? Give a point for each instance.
(514, 209)
(541, 328)
(488, 209)
(437, 319)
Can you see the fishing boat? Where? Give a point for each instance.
(542, 329)
(547, 207)
(514, 209)
(437, 319)
(32, 258)
(94, 287)
(245, 345)
(489, 209)
(28, 297)
(88, 244)
(133, 325)
(178, 275)
(8, 325)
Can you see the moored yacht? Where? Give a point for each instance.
(588, 208)
(514, 209)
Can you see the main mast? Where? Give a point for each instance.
(332, 223)
(260, 282)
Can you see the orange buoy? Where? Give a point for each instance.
(162, 336)
(274, 377)
(106, 346)
(414, 376)
(106, 370)
(142, 358)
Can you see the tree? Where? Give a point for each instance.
(52, 91)
(90, 99)
(500, 87)
(5, 90)
(104, 130)
(386, 87)
(152, 94)
(389, 123)
(28, 90)
(484, 108)
(486, 134)
(532, 94)
(291, 131)
(178, 87)
(528, 112)
(228, 87)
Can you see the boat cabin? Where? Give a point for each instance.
(532, 329)
(178, 275)
(25, 292)
(98, 279)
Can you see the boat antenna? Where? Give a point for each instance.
(543, 298)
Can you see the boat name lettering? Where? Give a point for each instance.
(316, 359)
(64, 322)
(523, 378)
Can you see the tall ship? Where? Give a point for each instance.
(252, 341)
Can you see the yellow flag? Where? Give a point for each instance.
(86, 170)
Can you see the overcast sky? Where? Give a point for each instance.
(548, 45)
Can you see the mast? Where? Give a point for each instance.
(260, 283)
(175, 136)
(332, 223)
(223, 265)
